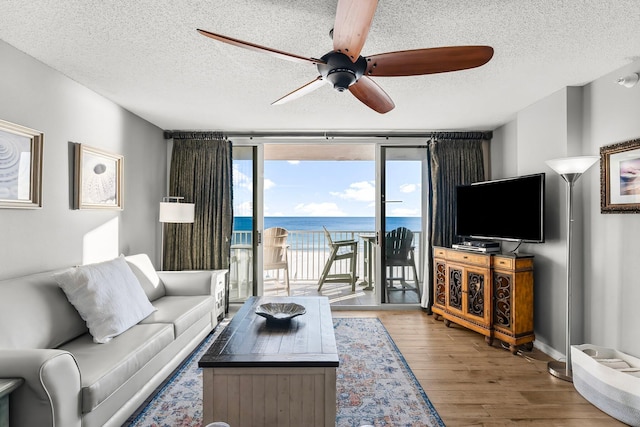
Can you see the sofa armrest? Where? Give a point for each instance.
(51, 392)
(189, 282)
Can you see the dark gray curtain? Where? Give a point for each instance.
(452, 162)
(201, 173)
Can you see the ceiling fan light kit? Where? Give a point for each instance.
(345, 69)
(340, 71)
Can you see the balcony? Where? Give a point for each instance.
(308, 251)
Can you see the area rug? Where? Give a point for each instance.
(375, 386)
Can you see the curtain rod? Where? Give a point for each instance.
(193, 135)
(482, 135)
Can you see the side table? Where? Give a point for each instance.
(219, 282)
(7, 385)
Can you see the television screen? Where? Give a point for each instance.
(505, 209)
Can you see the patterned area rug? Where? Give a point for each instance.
(374, 384)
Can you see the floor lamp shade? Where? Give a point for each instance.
(572, 164)
(176, 211)
(570, 169)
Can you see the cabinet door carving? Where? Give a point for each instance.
(502, 299)
(455, 288)
(441, 283)
(475, 294)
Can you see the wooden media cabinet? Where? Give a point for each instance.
(491, 294)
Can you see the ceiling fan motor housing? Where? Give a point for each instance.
(340, 70)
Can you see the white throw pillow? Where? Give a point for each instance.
(107, 295)
(146, 274)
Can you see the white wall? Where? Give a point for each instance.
(606, 272)
(612, 251)
(503, 150)
(34, 95)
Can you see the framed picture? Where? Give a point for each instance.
(98, 179)
(20, 166)
(620, 177)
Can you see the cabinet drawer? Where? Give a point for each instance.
(469, 258)
(439, 252)
(500, 262)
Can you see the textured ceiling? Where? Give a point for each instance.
(147, 56)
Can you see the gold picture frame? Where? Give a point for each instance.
(98, 179)
(620, 177)
(20, 166)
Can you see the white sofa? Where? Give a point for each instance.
(69, 380)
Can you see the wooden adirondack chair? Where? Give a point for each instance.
(399, 252)
(274, 253)
(341, 250)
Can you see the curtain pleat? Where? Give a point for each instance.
(201, 173)
(452, 162)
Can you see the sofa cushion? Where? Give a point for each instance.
(145, 272)
(104, 368)
(181, 311)
(35, 313)
(107, 295)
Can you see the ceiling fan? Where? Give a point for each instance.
(345, 68)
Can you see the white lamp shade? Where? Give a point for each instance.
(572, 164)
(177, 212)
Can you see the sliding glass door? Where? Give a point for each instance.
(242, 266)
(362, 191)
(402, 204)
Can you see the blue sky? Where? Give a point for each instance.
(328, 188)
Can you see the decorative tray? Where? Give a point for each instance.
(280, 311)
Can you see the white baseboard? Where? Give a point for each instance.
(549, 351)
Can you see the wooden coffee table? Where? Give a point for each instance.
(258, 374)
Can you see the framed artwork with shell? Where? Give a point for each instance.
(20, 166)
(98, 179)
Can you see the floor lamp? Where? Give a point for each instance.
(173, 210)
(570, 169)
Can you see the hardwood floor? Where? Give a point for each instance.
(473, 384)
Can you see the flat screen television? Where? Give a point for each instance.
(505, 209)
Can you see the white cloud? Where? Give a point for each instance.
(319, 209)
(405, 212)
(408, 188)
(241, 180)
(362, 191)
(243, 209)
(294, 162)
(268, 184)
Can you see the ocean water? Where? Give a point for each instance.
(333, 223)
(299, 227)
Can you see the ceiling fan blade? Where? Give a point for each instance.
(257, 48)
(301, 91)
(428, 61)
(353, 20)
(372, 95)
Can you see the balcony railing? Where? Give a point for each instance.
(308, 253)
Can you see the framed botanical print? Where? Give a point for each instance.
(20, 166)
(620, 177)
(98, 178)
